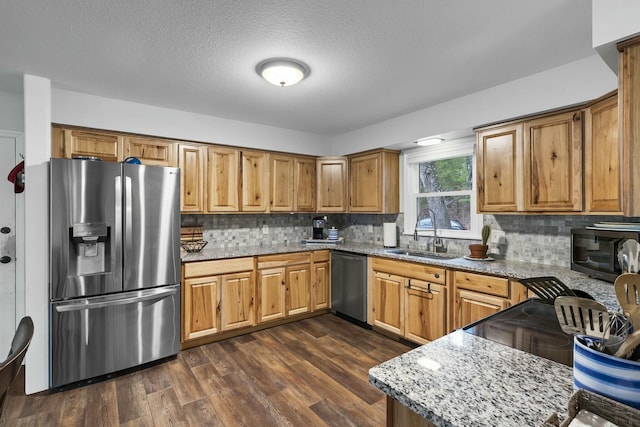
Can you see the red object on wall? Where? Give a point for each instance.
(16, 176)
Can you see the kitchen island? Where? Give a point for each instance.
(465, 380)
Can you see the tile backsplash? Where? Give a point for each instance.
(542, 239)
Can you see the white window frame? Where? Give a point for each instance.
(410, 161)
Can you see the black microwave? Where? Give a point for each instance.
(595, 252)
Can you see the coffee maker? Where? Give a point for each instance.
(318, 226)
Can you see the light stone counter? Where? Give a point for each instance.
(464, 380)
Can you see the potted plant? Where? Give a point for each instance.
(480, 251)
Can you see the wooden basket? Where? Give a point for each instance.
(615, 412)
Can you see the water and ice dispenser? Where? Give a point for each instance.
(89, 249)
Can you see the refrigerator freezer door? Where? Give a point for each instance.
(151, 226)
(85, 249)
(100, 335)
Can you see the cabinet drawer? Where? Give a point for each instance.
(222, 266)
(428, 273)
(497, 286)
(283, 260)
(319, 256)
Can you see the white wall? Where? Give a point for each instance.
(613, 21)
(569, 84)
(37, 142)
(11, 112)
(74, 108)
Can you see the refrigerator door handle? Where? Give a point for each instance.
(128, 218)
(117, 261)
(89, 304)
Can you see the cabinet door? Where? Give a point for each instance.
(365, 183)
(387, 302)
(499, 169)
(154, 152)
(553, 163)
(223, 177)
(602, 157)
(425, 311)
(472, 306)
(106, 146)
(201, 307)
(321, 285)
(304, 185)
(255, 179)
(298, 289)
(332, 185)
(237, 308)
(191, 164)
(629, 118)
(281, 173)
(271, 291)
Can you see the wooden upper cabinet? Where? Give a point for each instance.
(255, 181)
(223, 176)
(150, 151)
(304, 170)
(191, 162)
(374, 182)
(553, 163)
(332, 184)
(603, 158)
(281, 177)
(629, 118)
(499, 162)
(70, 143)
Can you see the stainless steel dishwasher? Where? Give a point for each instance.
(349, 285)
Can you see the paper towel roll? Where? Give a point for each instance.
(390, 239)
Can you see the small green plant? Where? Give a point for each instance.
(486, 231)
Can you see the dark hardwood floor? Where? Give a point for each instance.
(313, 372)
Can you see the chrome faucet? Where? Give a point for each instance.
(438, 244)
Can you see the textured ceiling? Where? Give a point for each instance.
(371, 60)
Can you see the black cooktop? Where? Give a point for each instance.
(530, 326)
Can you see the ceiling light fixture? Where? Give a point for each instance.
(282, 71)
(429, 141)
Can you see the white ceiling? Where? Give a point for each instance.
(371, 60)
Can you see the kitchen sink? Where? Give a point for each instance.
(428, 255)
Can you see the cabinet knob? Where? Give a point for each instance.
(437, 275)
(5, 259)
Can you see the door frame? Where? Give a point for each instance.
(20, 229)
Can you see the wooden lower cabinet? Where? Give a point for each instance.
(284, 285)
(271, 289)
(387, 302)
(202, 307)
(478, 295)
(411, 307)
(425, 311)
(297, 293)
(237, 301)
(472, 306)
(321, 280)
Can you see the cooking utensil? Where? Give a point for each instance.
(546, 288)
(583, 317)
(629, 345)
(627, 288)
(632, 249)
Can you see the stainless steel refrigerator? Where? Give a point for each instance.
(114, 267)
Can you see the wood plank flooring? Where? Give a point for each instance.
(313, 372)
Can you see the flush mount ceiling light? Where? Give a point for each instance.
(282, 71)
(429, 141)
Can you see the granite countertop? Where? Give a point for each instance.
(464, 380)
(602, 291)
